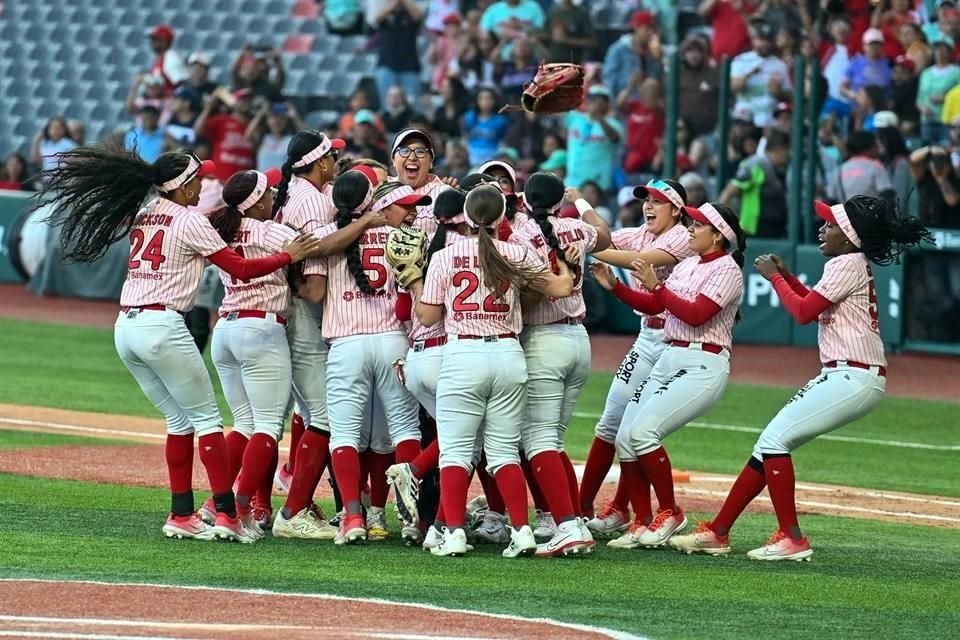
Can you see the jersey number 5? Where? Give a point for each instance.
(490, 303)
(874, 314)
(151, 252)
(379, 269)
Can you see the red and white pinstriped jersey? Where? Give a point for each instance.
(721, 280)
(426, 221)
(307, 207)
(258, 239)
(347, 311)
(417, 330)
(168, 249)
(849, 329)
(675, 241)
(569, 232)
(455, 281)
(520, 218)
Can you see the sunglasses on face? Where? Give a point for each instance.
(333, 153)
(420, 152)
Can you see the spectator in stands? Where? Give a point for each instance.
(511, 74)
(230, 148)
(951, 106)
(904, 89)
(398, 25)
(168, 64)
(692, 153)
(437, 12)
(183, 114)
(147, 137)
(397, 111)
(631, 54)
(835, 61)
(366, 141)
(359, 101)
(556, 163)
(148, 90)
(871, 99)
(889, 17)
(761, 186)
(551, 141)
(447, 117)
(592, 193)
(728, 18)
(953, 148)
(571, 32)
(525, 134)
(473, 66)
(260, 69)
(630, 212)
(593, 140)
(744, 136)
(695, 187)
(938, 187)
(785, 14)
(935, 30)
(512, 19)
(443, 51)
(867, 68)
(699, 87)
(935, 81)
(456, 162)
(199, 79)
(829, 145)
(758, 78)
(914, 45)
(862, 173)
(645, 122)
(270, 133)
(49, 142)
(343, 17)
(894, 155)
(77, 130)
(13, 173)
(483, 127)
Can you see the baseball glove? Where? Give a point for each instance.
(406, 253)
(557, 87)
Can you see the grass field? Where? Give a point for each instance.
(868, 579)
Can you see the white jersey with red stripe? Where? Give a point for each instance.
(569, 232)
(426, 221)
(455, 281)
(258, 239)
(417, 330)
(675, 241)
(348, 311)
(168, 249)
(849, 329)
(307, 207)
(719, 279)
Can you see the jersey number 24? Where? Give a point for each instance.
(150, 251)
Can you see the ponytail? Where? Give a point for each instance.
(344, 217)
(286, 172)
(541, 217)
(226, 220)
(447, 206)
(438, 242)
(300, 145)
(543, 192)
(884, 233)
(349, 192)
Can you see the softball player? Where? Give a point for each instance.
(476, 283)
(365, 336)
(412, 157)
(852, 381)
(701, 297)
(663, 242)
(95, 191)
(506, 176)
(557, 350)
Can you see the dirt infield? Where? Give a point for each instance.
(47, 609)
(908, 374)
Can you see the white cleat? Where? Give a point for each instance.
(702, 540)
(406, 491)
(665, 524)
(189, 527)
(305, 525)
(433, 538)
(282, 479)
(781, 547)
(630, 539)
(587, 535)
(609, 522)
(232, 530)
(545, 527)
(352, 530)
(452, 543)
(522, 543)
(492, 529)
(377, 524)
(569, 539)
(208, 512)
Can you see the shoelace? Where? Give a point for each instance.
(608, 511)
(703, 526)
(636, 525)
(776, 537)
(660, 519)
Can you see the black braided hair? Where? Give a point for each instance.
(226, 219)
(448, 204)
(542, 192)
(302, 143)
(349, 190)
(96, 192)
(884, 232)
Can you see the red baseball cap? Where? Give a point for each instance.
(207, 168)
(642, 19)
(162, 32)
(903, 60)
(274, 176)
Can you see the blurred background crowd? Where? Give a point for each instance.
(882, 76)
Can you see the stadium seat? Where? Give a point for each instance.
(300, 43)
(306, 9)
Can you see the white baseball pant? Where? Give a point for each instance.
(308, 356)
(353, 364)
(684, 384)
(421, 371)
(159, 351)
(482, 383)
(834, 398)
(376, 435)
(558, 364)
(252, 358)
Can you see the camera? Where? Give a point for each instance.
(938, 161)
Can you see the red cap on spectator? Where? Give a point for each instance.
(162, 32)
(951, 12)
(453, 18)
(641, 19)
(905, 61)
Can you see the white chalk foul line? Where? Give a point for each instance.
(832, 437)
(59, 635)
(610, 633)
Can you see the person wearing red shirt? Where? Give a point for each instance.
(645, 122)
(729, 21)
(231, 150)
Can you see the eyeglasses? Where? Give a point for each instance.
(505, 181)
(420, 152)
(333, 153)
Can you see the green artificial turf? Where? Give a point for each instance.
(27, 439)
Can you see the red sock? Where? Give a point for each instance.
(539, 501)
(635, 488)
(656, 465)
(296, 432)
(377, 464)
(513, 488)
(427, 461)
(346, 467)
(747, 486)
(439, 518)
(621, 499)
(256, 461)
(781, 486)
(454, 482)
(548, 470)
(573, 485)
(236, 443)
(408, 450)
(265, 490)
(314, 449)
(216, 460)
(490, 488)
(179, 454)
(599, 461)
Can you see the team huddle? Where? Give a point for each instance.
(419, 328)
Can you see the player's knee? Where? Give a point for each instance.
(208, 429)
(272, 430)
(179, 426)
(245, 428)
(606, 431)
(771, 443)
(455, 459)
(644, 436)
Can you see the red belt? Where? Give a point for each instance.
(502, 336)
(149, 307)
(573, 321)
(421, 345)
(654, 323)
(236, 315)
(833, 364)
(705, 346)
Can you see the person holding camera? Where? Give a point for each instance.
(938, 186)
(259, 68)
(231, 150)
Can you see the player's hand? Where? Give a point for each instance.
(573, 254)
(781, 265)
(305, 246)
(603, 274)
(450, 181)
(765, 266)
(643, 271)
(373, 219)
(572, 194)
